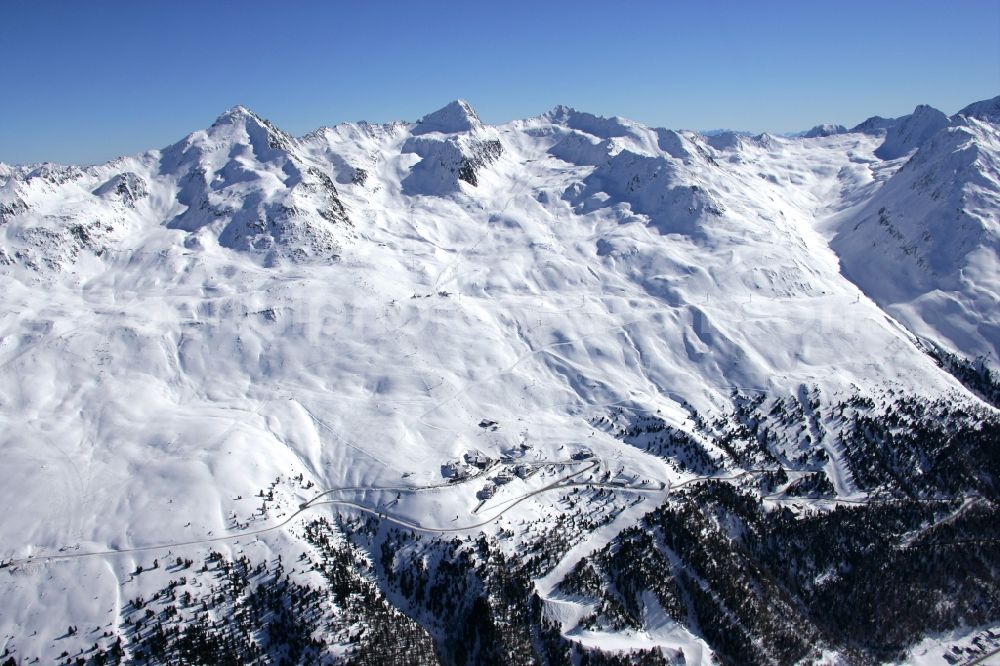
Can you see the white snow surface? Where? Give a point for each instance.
(911, 131)
(181, 327)
(926, 246)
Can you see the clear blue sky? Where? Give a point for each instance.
(84, 82)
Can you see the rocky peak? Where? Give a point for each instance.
(825, 130)
(458, 116)
(987, 110)
(234, 115)
(911, 131)
(874, 125)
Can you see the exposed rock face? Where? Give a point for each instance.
(987, 110)
(874, 125)
(825, 130)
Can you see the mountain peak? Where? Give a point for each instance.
(910, 131)
(234, 115)
(559, 114)
(926, 110)
(589, 123)
(458, 116)
(987, 109)
(241, 124)
(874, 125)
(825, 130)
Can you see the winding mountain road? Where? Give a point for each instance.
(323, 499)
(319, 501)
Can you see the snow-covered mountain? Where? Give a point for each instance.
(874, 125)
(925, 246)
(825, 130)
(910, 132)
(447, 391)
(987, 110)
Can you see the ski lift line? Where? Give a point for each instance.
(346, 441)
(524, 357)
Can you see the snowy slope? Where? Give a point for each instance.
(925, 247)
(184, 327)
(909, 132)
